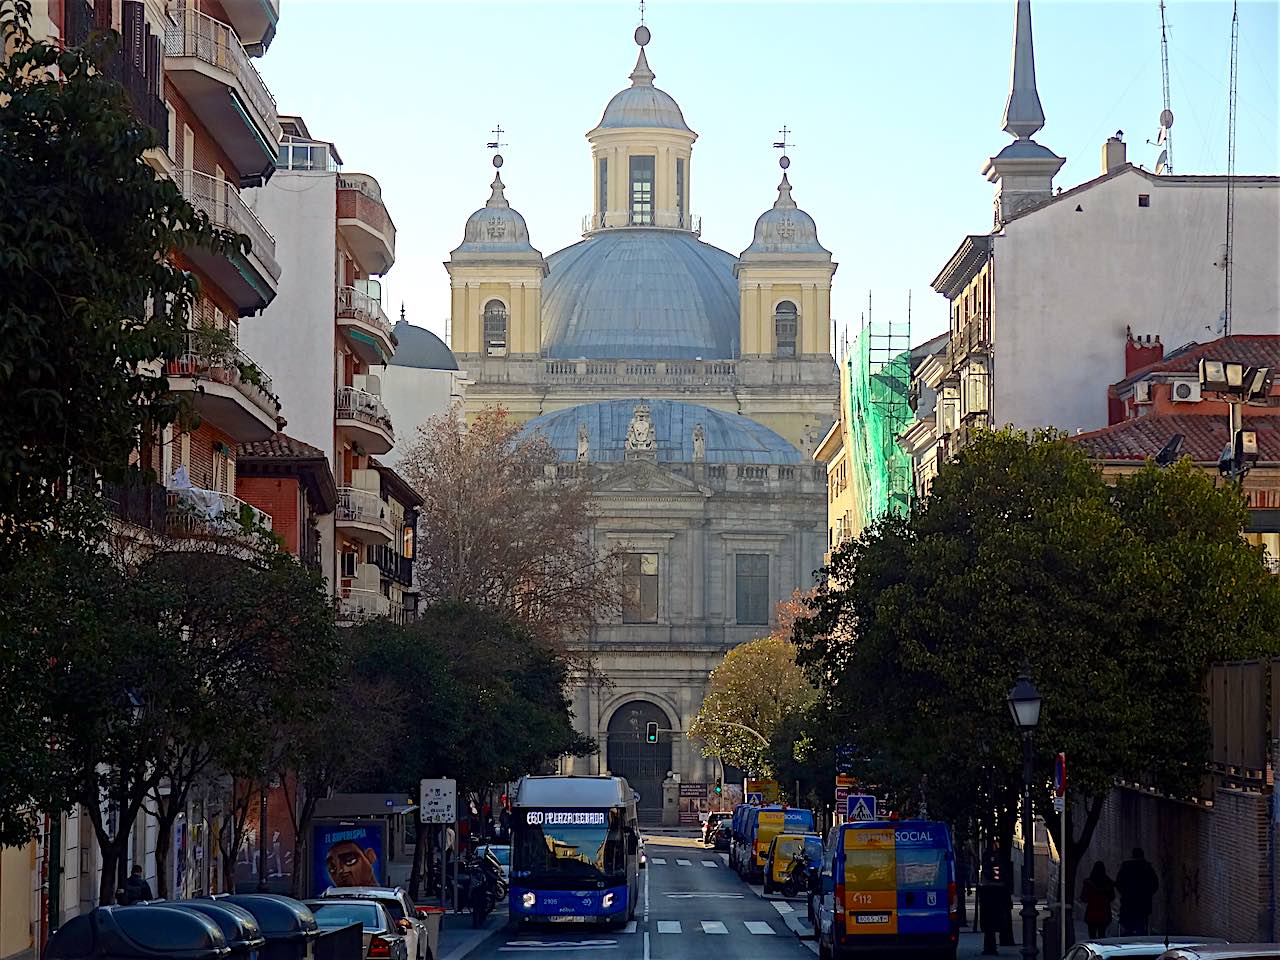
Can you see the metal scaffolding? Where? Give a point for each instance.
(879, 371)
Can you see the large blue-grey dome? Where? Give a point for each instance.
(730, 437)
(640, 294)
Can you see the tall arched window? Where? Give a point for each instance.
(495, 328)
(784, 328)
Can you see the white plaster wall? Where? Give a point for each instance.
(413, 395)
(293, 340)
(1067, 283)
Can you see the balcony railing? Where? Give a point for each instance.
(209, 355)
(141, 504)
(648, 372)
(365, 203)
(669, 219)
(355, 604)
(195, 34)
(392, 565)
(220, 201)
(355, 404)
(360, 306)
(363, 506)
(194, 511)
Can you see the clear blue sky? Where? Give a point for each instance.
(894, 108)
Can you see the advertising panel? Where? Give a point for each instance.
(348, 853)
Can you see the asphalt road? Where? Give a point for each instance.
(693, 908)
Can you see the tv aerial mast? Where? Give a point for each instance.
(1229, 257)
(1164, 164)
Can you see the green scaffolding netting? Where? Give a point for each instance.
(878, 413)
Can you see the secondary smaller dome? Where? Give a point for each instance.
(496, 228)
(419, 347)
(642, 104)
(785, 228)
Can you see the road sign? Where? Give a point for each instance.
(842, 798)
(755, 798)
(438, 801)
(843, 780)
(861, 808)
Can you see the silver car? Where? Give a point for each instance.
(382, 936)
(396, 901)
(1132, 948)
(1235, 951)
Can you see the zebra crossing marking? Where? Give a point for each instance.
(669, 926)
(782, 907)
(713, 926)
(710, 863)
(683, 863)
(658, 861)
(760, 928)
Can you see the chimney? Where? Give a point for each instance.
(1140, 351)
(1113, 153)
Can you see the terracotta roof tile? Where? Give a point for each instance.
(281, 446)
(1254, 350)
(1203, 437)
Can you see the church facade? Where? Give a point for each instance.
(689, 385)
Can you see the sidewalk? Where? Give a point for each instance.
(458, 938)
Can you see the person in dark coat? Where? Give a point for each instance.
(1137, 884)
(136, 888)
(1097, 894)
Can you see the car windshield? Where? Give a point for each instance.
(337, 913)
(570, 844)
(786, 848)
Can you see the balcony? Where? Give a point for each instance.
(227, 388)
(138, 504)
(206, 61)
(362, 415)
(660, 219)
(666, 373)
(196, 512)
(364, 222)
(367, 328)
(254, 21)
(356, 605)
(364, 515)
(249, 279)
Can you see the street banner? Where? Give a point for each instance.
(861, 807)
(348, 853)
(693, 802)
(438, 801)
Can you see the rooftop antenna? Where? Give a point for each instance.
(642, 12)
(1231, 166)
(1164, 164)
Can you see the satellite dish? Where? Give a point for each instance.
(1166, 118)
(1161, 161)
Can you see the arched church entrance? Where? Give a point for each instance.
(644, 764)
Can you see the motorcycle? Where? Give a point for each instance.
(797, 878)
(479, 886)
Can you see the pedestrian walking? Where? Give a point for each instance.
(136, 888)
(1097, 894)
(1137, 884)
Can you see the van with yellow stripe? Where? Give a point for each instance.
(762, 825)
(888, 886)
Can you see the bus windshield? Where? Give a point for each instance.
(569, 844)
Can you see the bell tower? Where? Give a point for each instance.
(496, 283)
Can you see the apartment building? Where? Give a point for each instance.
(335, 238)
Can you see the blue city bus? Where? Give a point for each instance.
(575, 851)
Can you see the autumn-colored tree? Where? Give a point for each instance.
(500, 531)
(757, 686)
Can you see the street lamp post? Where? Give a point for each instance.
(1024, 705)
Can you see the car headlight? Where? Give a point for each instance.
(529, 899)
(607, 901)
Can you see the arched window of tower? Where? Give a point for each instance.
(495, 328)
(785, 323)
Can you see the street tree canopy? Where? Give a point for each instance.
(758, 686)
(1118, 597)
(496, 531)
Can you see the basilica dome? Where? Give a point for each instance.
(729, 437)
(642, 104)
(640, 294)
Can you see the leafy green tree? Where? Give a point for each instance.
(89, 301)
(1118, 597)
(755, 688)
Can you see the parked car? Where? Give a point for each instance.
(1132, 948)
(382, 937)
(501, 853)
(723, 834)
(709, 827)
(1233, 951)
(404, 917)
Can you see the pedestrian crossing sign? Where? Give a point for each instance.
(861, 808)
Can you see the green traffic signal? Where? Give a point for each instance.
(651, 732)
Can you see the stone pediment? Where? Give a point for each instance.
(642, 477)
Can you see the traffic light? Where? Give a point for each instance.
(719, 788)
(651, 732)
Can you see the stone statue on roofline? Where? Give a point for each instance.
(584, 443)
(642, 440)
(699, 443)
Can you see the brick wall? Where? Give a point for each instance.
(282, 498)
(1211, 860)
(200, 458)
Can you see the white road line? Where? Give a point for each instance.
(713, 926)
(630, 927)
(668, 926)
(646, 945)
(760, 928)
(710, 863)
(646, 903)
(782, 907)
(660, 861)
(725, 858)
(683, 863)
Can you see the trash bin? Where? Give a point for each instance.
(138, 933)
(243, 935)
(289, 928)
(432, 916)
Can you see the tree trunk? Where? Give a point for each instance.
(111, 855)
(164, 844)
(1008, 818)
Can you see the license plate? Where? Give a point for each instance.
(870, 918)
(567, 919)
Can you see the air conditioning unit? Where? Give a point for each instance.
(1184, 391)
(1142, 391)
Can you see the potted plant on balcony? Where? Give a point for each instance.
(215, 352)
